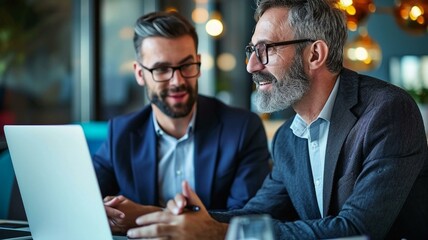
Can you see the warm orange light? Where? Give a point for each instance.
(415, 12)
(357, 11)
(171, 9)
(362, 53)
(200, 15)
(214, 26)
(351, 10)
(411, 15)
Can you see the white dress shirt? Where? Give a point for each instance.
(317, 134)
(175, 161)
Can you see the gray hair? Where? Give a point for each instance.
(314, 19)
(162, 24)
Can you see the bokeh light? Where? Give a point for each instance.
(226, 62)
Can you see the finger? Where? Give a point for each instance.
(180, 200)
(155, 217)
(154, 231)
(173, 208)
(177, 205)
(114, 213)
(191, 196)
(121, 198)
(114, 226)
(115, 201)
(108, 198)
(111, 201)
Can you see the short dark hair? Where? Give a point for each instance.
(162, 24)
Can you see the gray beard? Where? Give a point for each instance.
(284, 92)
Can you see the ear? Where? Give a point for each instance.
(318, 54)
(138, 72)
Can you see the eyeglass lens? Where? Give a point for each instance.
(166, 73)
(260, 51)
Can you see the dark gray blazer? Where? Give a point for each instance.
(376, 170)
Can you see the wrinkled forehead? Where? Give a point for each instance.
(273, 26)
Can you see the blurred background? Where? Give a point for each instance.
(71, 60)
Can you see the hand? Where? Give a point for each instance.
(122, 212)
(176, 222)
(115, 216)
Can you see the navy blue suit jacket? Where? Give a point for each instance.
(231, 156)
(376, 170)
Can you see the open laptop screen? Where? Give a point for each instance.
(57, 181)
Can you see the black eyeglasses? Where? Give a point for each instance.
(261, 49)
(165, 73)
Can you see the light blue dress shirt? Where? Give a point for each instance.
(317, 134)
(175, 164)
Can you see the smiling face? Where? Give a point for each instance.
(174, 98)
(282, 81)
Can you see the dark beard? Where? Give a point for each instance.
(284, 92)
(178, 110)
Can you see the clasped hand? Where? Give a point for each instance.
(176, 222)
(122, 212)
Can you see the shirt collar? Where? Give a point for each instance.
(299, 126)
(328, 107)
(161, 132)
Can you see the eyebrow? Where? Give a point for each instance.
(183, 61)
(186, 59)
(264, 41)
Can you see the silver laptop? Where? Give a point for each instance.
(57, 182)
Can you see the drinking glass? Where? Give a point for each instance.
(250, 227)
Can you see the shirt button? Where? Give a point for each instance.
(178, 172)
(317, 183)
(314, 144)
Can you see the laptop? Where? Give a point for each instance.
(57, 182)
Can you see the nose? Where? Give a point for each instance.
(253, 64)
(176, 77)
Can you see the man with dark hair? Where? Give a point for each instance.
(220, 150)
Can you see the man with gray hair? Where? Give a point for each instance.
(351, 162)
(181, 136)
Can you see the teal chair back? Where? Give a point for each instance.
(7, 176)
(95, 133)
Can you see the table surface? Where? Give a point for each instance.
(19, 230)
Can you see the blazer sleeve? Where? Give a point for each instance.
(104, 168)
(272, 198)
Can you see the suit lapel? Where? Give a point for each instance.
(207, 137)
(304, 173)
(342, 120)
(144, 166)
